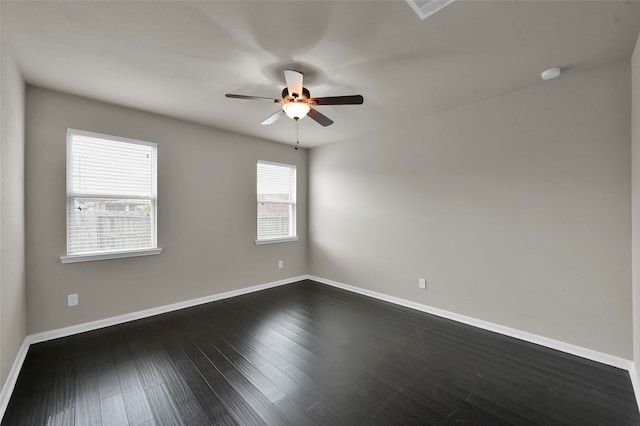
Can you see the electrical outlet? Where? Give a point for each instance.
(280, 264)
(422, 283)
(72, 299)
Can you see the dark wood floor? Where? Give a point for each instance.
(305, 354)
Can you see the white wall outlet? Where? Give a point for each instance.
(422, 283)
(280, 264)
(72, 299)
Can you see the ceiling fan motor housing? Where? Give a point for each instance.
(293, 98)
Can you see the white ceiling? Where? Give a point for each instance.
(180, 58)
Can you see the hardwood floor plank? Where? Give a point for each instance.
(241, 411)
(146, 363)
(295, 412)
(113, 411)
(179, 391)
(64, 388)
(164, 410)
(33, 395)
(247, 391)
(87, 407)
(135, 400)
(245, 368)
(108, 383)
(206, 397)
(263, 363)
(62, 418)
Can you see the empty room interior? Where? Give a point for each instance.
(320, 212)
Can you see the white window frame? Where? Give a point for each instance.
(70, 203)
(293, 226)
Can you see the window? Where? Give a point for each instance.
(111, 197)
(276, 190)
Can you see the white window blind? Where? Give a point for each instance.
(111, 194)
(276, 190)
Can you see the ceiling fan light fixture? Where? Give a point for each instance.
(296, 110)
(300, 106)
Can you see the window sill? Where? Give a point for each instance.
(277, 240)
(107, 256)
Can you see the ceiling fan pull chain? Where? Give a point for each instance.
(297, 134)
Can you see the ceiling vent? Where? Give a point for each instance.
(425, 8)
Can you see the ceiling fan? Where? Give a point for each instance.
(297, 101)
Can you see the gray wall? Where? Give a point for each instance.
(635, 199)
(516, 210)
(12, 224)
(206, 215)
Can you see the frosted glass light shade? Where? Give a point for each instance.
(296, 110)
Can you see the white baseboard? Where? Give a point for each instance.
(107, 322)
(10, 383)
(12, 378)
(635, 382)
(582, 352)
(591, 354)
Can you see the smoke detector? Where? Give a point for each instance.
(426, 8)
(551, 73)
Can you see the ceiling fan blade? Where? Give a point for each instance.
(338, 100)
(273, 117)
(231, 95)
(294, 82)
(320, 118)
